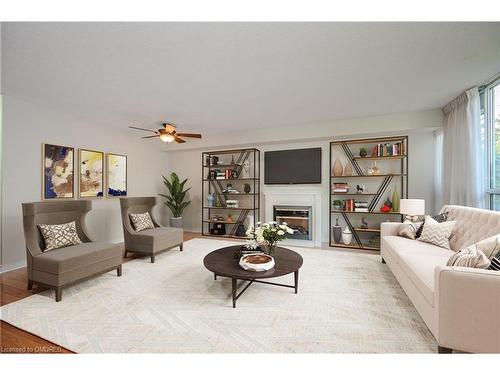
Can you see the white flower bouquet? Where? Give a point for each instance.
(269, 234)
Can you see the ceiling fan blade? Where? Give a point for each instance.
(179, 140)
(148, 130)
(190, 135)
(169, 127)
(151, 136)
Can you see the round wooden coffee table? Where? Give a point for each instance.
(222, 263)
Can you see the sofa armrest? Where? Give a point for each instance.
(468, 309)
(389, 229)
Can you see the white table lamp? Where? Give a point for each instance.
(412, 208)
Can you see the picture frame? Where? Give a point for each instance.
(91, 172)
(117, 175)
(58, 172)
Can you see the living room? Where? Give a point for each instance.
(250, 188)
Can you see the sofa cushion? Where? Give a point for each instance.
(418, 260)
(473, 225)
(73, 257)
(161, 237)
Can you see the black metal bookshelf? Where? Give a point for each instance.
(224, 175)
(394, 171)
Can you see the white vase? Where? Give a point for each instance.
(347, 236)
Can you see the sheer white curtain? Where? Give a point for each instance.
(464, 172)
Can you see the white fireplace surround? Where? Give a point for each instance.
(291, 196)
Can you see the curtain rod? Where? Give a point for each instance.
(489, 81)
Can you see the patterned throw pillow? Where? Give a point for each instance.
(59, 235)
(141, 221)
(495, 263)
(440, 218)
(437, 233)
(408, 229)
(469, 257)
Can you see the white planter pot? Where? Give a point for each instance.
(176, 222)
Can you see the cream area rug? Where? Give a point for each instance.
(347, 303)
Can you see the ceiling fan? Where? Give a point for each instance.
(168, 133)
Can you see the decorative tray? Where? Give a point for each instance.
(257, 262)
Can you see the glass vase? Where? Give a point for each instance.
(269, 249)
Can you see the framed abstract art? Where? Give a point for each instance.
(58, 171)
(117, 175)
(91, 170)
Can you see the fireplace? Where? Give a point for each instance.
(298, 218)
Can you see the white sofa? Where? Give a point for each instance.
(461, 306)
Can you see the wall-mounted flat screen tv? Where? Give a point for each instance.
(302, 166)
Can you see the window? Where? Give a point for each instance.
(491, 117)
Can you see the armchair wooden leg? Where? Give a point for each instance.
(119, 270)
(125, 254)
(30, 284)
(152, 258)
(59, 293)
(443, 350)
(383, 261)
(181, 246)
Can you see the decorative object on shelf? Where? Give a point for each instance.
(240, 231)
(337, 205)
(362, 152)
(395, 200)
(347, 236)
(269, 234)
(214, 160)
(387, 206)
(232, 160)
(246, 169)
(117, 175)
(210, 200)
(348, 170)
(247, 189)
(374, 170)
(359, 189)
(218, 229)
(412, 208)
(337, 231)
(232, 203)
(257, 262)
(364, 224)
(91, 173)
(234, 173)
(58, 172)
(176, 198)
(374, 242)
(229, 217)
(338, 169)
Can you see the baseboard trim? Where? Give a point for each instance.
(11, 267)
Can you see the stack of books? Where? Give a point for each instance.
(340, 187)
(361, 206)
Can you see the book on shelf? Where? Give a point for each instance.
(340, 187)
(389, 149)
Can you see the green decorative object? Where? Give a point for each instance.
(395, 201)
(175, 199)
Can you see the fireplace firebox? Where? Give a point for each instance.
(298, 218)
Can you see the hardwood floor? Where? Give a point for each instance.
(13, 288)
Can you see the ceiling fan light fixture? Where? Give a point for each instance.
(165, 137)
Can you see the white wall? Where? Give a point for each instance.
(25, 127)
(418, 125)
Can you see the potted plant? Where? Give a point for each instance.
(175, 199)
(269, 234)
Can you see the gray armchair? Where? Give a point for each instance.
(60, 267)
(150, 241)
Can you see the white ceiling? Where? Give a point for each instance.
(219, 77)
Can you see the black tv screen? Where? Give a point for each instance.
(302, 166)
